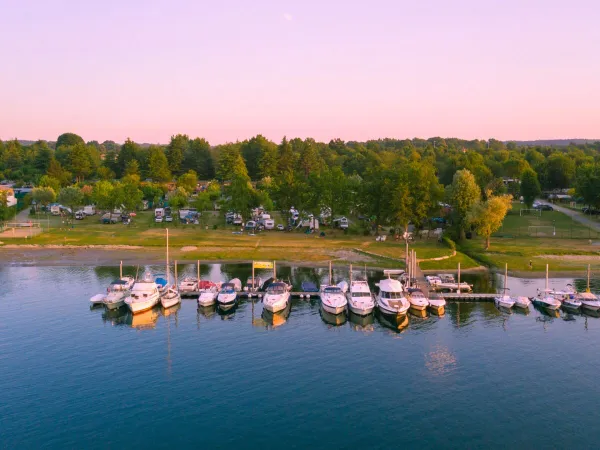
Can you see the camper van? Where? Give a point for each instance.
(269, 224)
(159, 214)
(55, 209)
(89, 210)
(342, 223)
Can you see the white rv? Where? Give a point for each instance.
(89, 210)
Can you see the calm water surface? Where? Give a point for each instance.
(72, 377)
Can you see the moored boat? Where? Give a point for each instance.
(188, 284)
(143, 296)
(228, 296)
(437, 304)
(589, 301)
(170, 298)
(208, 296)
(391, 299)
(417, 299)
(276, 297)
(360, 298)
(333, 299)
(504, 301)
(522, 302)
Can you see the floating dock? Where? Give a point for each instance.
(467, 297)
(247, 294)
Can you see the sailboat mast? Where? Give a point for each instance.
(350, 276)
(546, 277)
(330, 273)
(588, 279)
(167, 262)
(505, 277)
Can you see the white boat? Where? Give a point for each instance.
(188, 284)
(437, 304)
(448, 283)
(390, 299)
(360, 298)
(433, 280)
(522, 302)
(208, 297)
(333, 299)
(545, 300)
(228, 296)
(276, 297)
(98, 299)
(170, 298)
(144, 295)
(504, 301)
(116, 293)
(417, 299)
(589, 301)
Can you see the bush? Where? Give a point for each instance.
(449, 243)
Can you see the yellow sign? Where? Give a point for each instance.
(263, 264)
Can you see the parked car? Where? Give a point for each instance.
(158, 219)
(280, 227)
(169, 219)
(546, 208)
(79, 215)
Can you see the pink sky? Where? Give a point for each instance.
(357, 70)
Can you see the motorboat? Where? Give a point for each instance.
(253, 285)
(144, 295)
(570, 301)
(170, 298)
(208, 296)
(437, 304)
(390, 299)
(333, 299)
(308, 288)
(228, 296)
(545, 300)
(188, 284)
(97, 300)
(417, 299)
(277, 297)
(433, 280)
(522, 302)
(448, 283)
(360, 299)
(118, 292)
(589, 301)
(504, 301)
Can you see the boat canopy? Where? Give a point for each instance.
(161, 281)
(390, 285)
(228, 288)
(121, 282)
(277, 288)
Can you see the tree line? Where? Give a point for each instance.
(390, 181)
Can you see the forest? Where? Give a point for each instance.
(390, 181)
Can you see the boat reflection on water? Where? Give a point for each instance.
(362, 323)
(173, 310)
(553, 313)
(274, 320)
(115, 316)
(397, 323)
(207, 311)
(504, 309)
(420, 313)
(333, 319)
(143, 320)
(590, 313)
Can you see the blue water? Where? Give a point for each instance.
(71, 377)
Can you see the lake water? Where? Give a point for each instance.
(75, 377)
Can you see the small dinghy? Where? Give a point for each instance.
(522, 302)
(170, 298)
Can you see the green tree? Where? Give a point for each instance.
(231, 163)
(129, 152)
(178, 198)
(56, 171)
(158, 166)
(463, 194)
(68, 140)
(587, 184)
(4, 209)
(132, 168)
(198, 158)
(104, 173)
(487, 216)
(48, 181)
(43, 156)
(286, 159)
(130, 193)
(103, 195)
(175, 152)
(530, 186)
(559, 171)
(188, 181)
(71, 197)
(258, 155)
(43, 195)
(79, 161)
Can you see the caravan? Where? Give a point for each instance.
(89, 210)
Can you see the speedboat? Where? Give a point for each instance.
(589, 301)
(170, 298)
(309, 288)
(277, 297)
(228, 297)
(433, 280)
(188, 284)
(390, 299)
(144, 295)
(545, 300)
(97, 300)
(333, 299)
(448, 283)
(118, 292)
(208, 297)
(360, 299)
(570, 301)
(417, 299)
(504, 301)
(437, 304)
(253, 286)
(522, 302)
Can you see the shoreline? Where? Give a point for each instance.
(110, 255)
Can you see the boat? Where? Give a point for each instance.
(277, 297)
(545, 300)
(522, 302)
(206, 285)
(118, 292)
(417, 299)
(437, 304)
(228, 296)
(390, 299)
(170, 298)
(208, 296)
(568, 298)
(504, 301)
(589, 301)
(253, 285)
(448, 283)
(162, 285)
(188, 284)
(343, 286)
(144, 295)
(433, 280)
(308, 288)
(360, 299)
(97, 300)
(333, 299)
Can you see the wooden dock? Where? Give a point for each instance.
(467, 297)
(246, 294)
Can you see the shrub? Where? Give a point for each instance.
(449, 243)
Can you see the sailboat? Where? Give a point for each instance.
(544, 299)
(588, 300)
(171, 297)
(504, 300)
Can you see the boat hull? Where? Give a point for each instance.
(206, 301)
(333, 309)
(392, 311)
(169, 302)
(116, 304)
(138, 307)
(590, 306)
(360, 309)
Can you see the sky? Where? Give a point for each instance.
(227, 70)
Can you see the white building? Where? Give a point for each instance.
(10, 198)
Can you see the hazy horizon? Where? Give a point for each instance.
(511, 70)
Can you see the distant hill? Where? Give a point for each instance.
(555, 142)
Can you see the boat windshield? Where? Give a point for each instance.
(228, 288)
(276, 289)
(333, 290)
(392, 295)
(361, 294)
